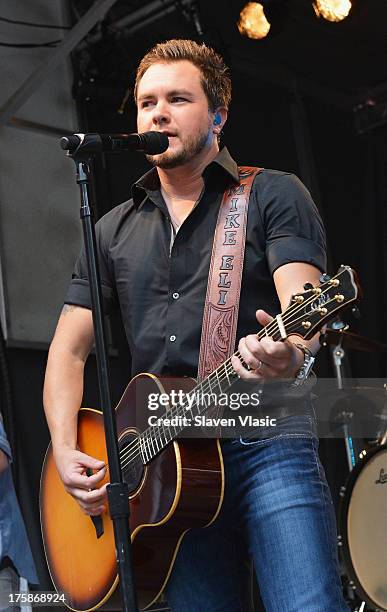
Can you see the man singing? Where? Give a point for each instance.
(154, 253)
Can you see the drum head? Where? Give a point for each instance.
(364, 527)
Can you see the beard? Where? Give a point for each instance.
(192, 146)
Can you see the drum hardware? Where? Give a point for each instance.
(361, 539)
(383, 439)
(351, 597)
(361, 410)
(338, 355)
(340, 337)
(363, 505)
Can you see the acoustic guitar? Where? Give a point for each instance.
(175, 483)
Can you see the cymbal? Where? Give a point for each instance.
(353, 341)
(362, 409)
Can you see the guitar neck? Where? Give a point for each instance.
(307, 312)
(196, 402)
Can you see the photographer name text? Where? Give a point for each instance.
(204, 421)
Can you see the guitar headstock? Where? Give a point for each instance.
(310, 310)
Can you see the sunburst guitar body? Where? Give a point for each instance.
(182, 487)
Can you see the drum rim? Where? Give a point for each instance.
(343, 513)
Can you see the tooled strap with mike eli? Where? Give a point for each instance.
(221, 306)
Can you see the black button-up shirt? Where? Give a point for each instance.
(160, 287)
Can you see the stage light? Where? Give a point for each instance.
(332, 10)
(252, 21)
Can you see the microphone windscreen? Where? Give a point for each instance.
(70, 142)
(154, 142)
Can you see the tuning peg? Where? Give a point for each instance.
(324, 278)
(308, 286)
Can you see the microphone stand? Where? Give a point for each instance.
(118, 491)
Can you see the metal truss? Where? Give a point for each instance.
(96, 13)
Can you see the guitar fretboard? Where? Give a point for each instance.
(307, 312)
(196, 403)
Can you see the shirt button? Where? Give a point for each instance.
(175, 295)
(172, 338)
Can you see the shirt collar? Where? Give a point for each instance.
(149, 182)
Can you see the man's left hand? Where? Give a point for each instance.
(266, 358)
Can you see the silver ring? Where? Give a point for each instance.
(259, 366)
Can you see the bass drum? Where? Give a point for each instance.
(363, 527)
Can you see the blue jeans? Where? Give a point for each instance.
(278, 509)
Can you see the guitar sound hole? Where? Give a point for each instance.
(131, 463)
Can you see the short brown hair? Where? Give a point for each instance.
(215, 77)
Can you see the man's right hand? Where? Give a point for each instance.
(63, 392)
(72, 466)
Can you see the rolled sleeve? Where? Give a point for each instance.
(79, 290)
(293, 227)
(288, 249)
(78, 294)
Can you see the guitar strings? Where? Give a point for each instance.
(227, 367)
(157, 438)
(149, 439)
(130, 451)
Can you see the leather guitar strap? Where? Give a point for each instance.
(225, 276)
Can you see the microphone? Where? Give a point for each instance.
(150, 143)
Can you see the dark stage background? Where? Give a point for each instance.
(292, 109)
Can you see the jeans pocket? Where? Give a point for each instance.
(296, 426)
(259, 441)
